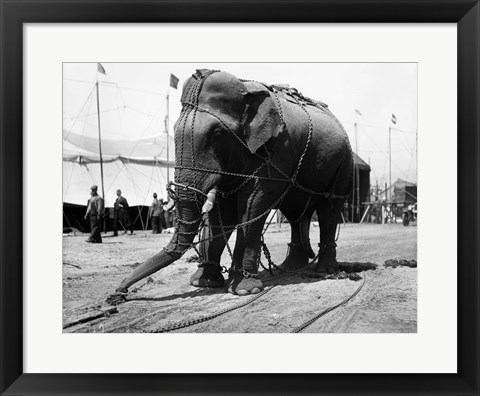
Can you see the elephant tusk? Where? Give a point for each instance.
(210, 201)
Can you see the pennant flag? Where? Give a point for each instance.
(100, 69)
(358, 112)
(173, 81)
(394, 119)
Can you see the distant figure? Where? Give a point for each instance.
(94, 213)
(156, 212)
(120, 213)
(163, 216)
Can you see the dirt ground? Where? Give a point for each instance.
(387, 303)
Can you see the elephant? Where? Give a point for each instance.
(252, 147)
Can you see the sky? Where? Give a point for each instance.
(133, 102)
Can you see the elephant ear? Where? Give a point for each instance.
(261, 120)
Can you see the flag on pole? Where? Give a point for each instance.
(358, 112)
(100, 69)
(394, 119)
(173, 81)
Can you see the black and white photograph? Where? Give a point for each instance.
(239, 197)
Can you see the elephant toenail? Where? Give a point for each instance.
(255, 290)
(242, 292)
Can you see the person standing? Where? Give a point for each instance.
(156, 212)
(94, 213)
(120, 213)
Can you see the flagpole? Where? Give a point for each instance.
(354, 170)
(355, 167)
(100, 140)
(167, 122)
(416, 155)
(390, 160)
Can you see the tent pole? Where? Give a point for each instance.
(416, 155)
(354, 171)
(100, 141)
(390, 160)
(100, 150)
(357, 170)
(167, 122)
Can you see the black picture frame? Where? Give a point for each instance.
(14, 13)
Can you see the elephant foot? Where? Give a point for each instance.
(297, 258)
(207, 275)
(238, 284)
(327, 260)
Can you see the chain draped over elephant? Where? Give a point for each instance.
(258, 147)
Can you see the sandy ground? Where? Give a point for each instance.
(387, 303)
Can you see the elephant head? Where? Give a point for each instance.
(223, 123)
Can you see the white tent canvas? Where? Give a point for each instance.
(137, 182)
(133, 140)
(135, 169)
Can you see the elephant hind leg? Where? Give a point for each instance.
(297, 256)
(328, 219)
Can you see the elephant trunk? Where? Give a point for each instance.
(188, 221)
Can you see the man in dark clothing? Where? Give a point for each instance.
(156, 212)
(120, 213)
(94, 213)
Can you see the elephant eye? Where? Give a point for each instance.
(217, 133)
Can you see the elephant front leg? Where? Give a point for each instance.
(214, 240)
(243, 277)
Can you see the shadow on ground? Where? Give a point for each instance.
(348, 270)
(187, 294)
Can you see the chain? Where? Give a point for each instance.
(278, 105)
(271, 264)
(294, 184)
(225, 194)
(309, 138)
(323, 313)
(226, 173)
(243, 272)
